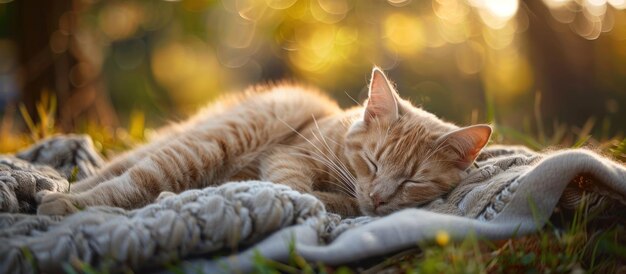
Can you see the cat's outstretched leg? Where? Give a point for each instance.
(115, 168)
(55, 203)
(182, 164)
(122, 163)
(119, 191)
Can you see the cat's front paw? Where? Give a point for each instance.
(54, 203)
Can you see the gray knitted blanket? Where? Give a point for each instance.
(513, 191)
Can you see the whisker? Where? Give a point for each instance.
(323, 161)
(329, 165)
(353, 181)
(348, 178)
(353, 99)
(326, 162)
(347, 122)
(342, 187)
(342, 165)
(302, 136)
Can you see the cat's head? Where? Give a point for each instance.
(404, 156)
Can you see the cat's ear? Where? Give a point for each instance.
(382, 100)
(467, 143)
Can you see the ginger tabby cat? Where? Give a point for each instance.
(373, 160)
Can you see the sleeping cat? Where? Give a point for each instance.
(370, 160)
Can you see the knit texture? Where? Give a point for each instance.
(512, 191)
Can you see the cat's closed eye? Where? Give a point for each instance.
(371, 164)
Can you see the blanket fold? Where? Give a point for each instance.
(513, 191)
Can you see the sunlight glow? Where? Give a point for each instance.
(252, 10)
(404, 33)
(502, 8)
(470, 57)
(507, 74)
(588, 18)
(496, 13)
(189, 70)
(556, 3)
(120, 20)
(323, 49)
(399, 3)
(280, 4)
(500, 38)
(453, 11)
(618, 4)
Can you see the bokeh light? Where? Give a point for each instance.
(169, 58)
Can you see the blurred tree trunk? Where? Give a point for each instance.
(563, 63)
(53, 60)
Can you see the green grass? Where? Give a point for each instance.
(108, 141)
(584, 243)
(573, 241)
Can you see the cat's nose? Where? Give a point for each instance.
(378, 201)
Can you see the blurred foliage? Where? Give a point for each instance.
(468, 61)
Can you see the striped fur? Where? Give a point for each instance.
(293, 136)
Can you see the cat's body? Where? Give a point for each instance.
(373, 160)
